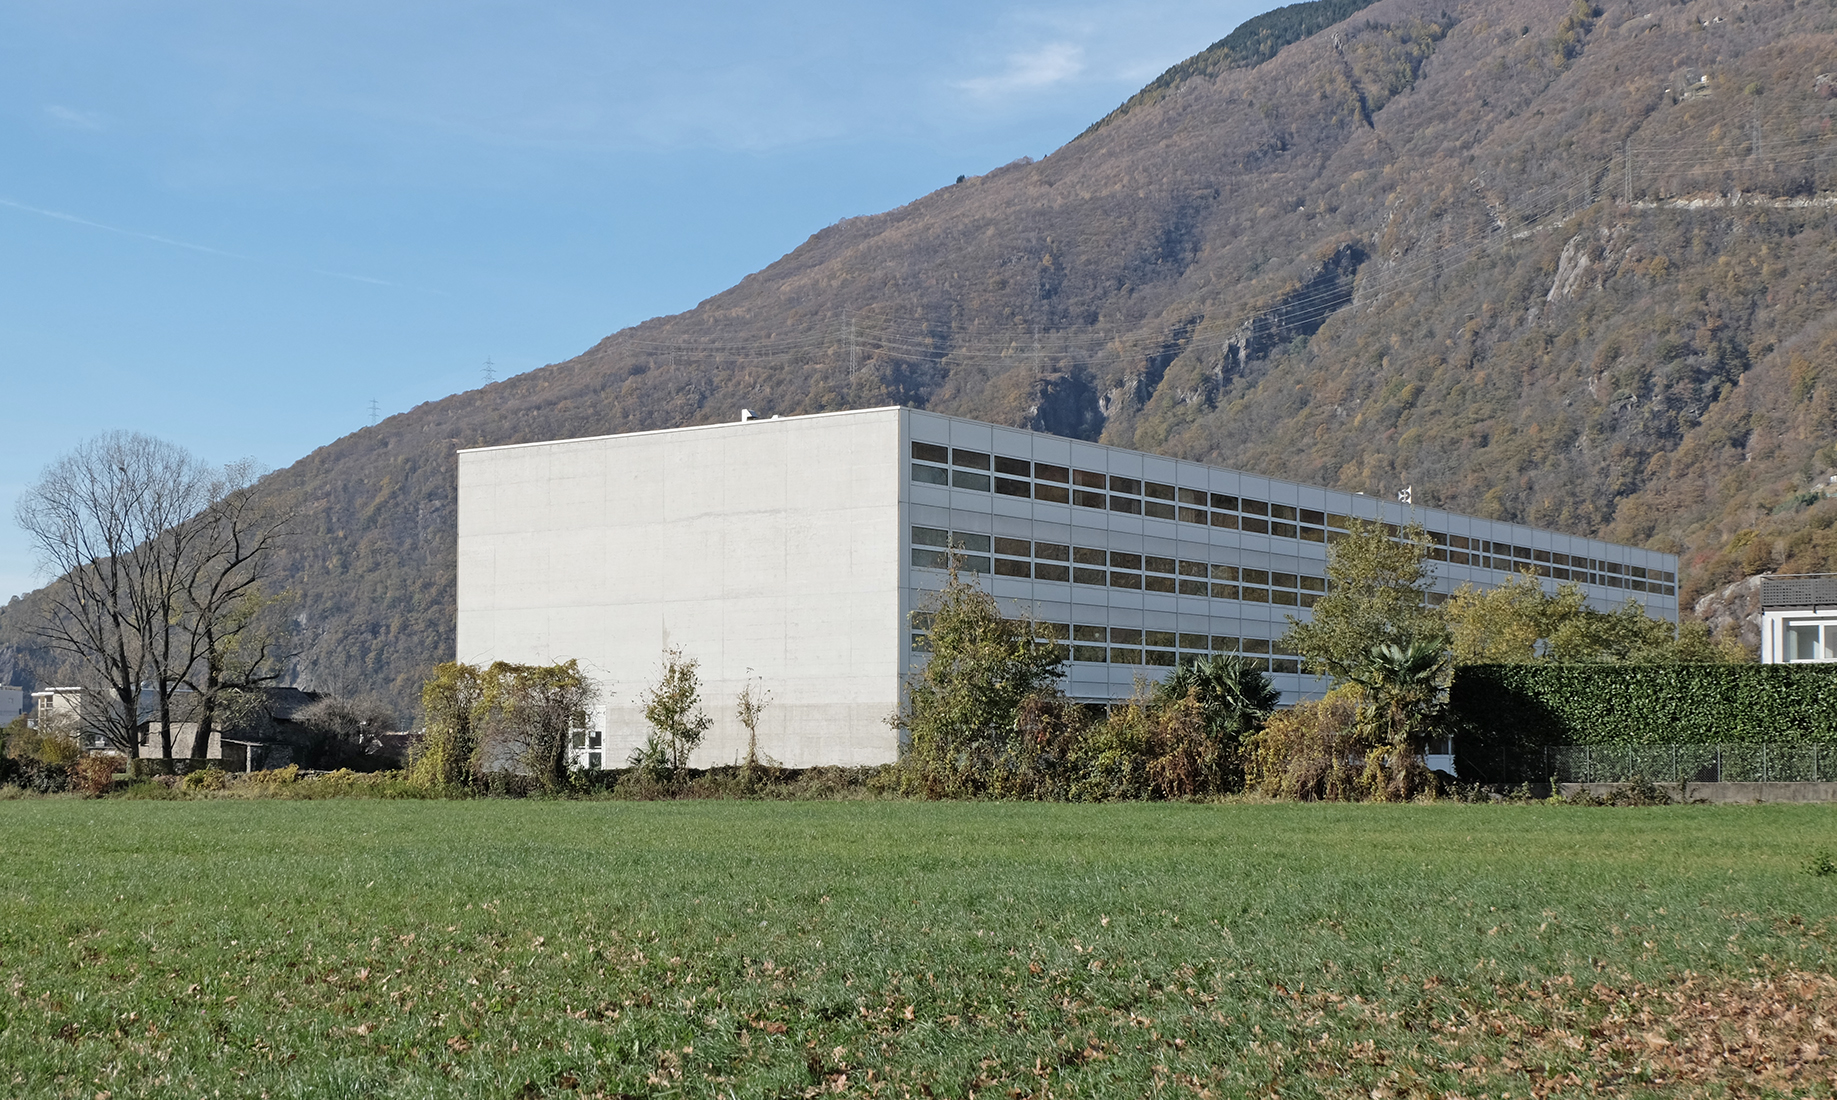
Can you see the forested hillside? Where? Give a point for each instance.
(1542, 260)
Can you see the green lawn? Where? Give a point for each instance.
(492, 948)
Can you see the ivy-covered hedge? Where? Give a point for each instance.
(1505, 715)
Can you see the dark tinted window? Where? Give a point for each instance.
(1159, 492)
(1051, 473)
(1052, 550)
(975, 460)
(1019, 467)
(1089, 480)
(1126, 485)
(1014, 548)
(1219, 500)
(1120, 560)
(930, 452)
(1254, 507)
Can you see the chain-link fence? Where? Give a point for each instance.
(1739, 762)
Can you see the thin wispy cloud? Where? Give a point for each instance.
(189, 246)
(76, 118)
(1051, 64)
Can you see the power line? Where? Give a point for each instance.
(1509, 218)
(490, 371)
(375, 410)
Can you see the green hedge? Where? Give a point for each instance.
(1505, 715)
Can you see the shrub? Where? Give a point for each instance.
(1307, 751)
(94, 775)
(206, 779)
(673, 708)
(964, 707)
(1505, 715)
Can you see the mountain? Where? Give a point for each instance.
(1538, 259)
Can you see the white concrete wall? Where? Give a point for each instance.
(772, 547)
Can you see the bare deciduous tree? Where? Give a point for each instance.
(159, 565)
(95, 517)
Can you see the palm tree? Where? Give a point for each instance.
(1403, 682)
(1234, 695)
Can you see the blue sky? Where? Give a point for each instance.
(235, 225)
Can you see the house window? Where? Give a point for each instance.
(1811, 642)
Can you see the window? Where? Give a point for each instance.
(963, 479)
(1192, 569)
(1254, 576)
(1009, 487)
(930, 536)
(1043, 472)
(1052, 550)
(975, 460)
(1308, 515)
(1152, 583)
(1193, 497)
(1284, 580)
(1014, 548)
(1253, 595)
(1090, 480)
(1256, 645)
(1282, 511)
(1096, 654)
(1166, 658)
(1085, 499)
(1224, 645)
(1195, 641)
(930, 559)
(1083, 575)
(1125, 656)
(1157, 491)
(1126, 485)
(1008, 567)
(1224, 591)
(1047, 571)
(1811, 642)
(1126, 504)
(1124, 636)
(1163, 639)
(1192, 515)
(1219, 500)
(1019, 467)
(1084, 555)
(1259, 526)
(1157, 509)
(1254, 508)
(1089, 634)
(1120, 560)
(1313, 584)
(1159, 565)
(931, 452)
(1189, 587)
(1285, 530)
(1126, 580)
(1224, 572)
(1542, 556)
(973, 563)
(929, 475)
(1339, 523)
(1224, 519)
(1052, 632)
(1058, 494)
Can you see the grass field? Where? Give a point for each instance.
(517, 949)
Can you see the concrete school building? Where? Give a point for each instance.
(794, 553)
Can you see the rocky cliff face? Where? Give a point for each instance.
(1542, 260)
